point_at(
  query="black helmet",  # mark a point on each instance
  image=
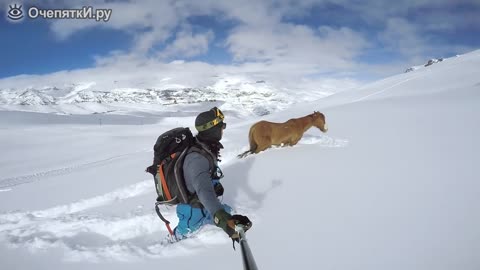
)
(210, 124)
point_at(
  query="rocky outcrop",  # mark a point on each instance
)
(433, 61)
(429, 63)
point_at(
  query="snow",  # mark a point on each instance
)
(392, 185)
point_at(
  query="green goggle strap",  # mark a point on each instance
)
(210, 124)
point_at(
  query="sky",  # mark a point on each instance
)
(363, 40)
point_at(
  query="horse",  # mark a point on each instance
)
(264, 134)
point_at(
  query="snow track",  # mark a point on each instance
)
(97, 237)
(90, 237)
(7, 183)
(134, 190)
(323, 140)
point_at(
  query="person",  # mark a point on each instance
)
(202, 177)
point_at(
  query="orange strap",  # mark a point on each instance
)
(164, 182)
(169, 229)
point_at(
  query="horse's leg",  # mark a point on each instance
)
(263, 144)
(290, 142)
(295, 141)
(261, 148)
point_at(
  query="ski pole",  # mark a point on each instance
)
(247, 256)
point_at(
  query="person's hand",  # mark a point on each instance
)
(242, 220)
(228, 222)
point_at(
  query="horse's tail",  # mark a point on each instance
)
(253, 144)
(244, 154)
(251, 140)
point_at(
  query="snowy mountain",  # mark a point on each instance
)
(256, 97)
(392, 185)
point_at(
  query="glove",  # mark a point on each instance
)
(227, 222)
(218, 189)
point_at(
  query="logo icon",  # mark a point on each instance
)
(15, 13)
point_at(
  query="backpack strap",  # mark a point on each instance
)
(202, 149)
(167, 223)
(180, 181)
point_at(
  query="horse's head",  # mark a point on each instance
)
(319, 121)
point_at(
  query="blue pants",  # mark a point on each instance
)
(191, 219)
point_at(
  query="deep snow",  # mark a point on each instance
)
(392, 185)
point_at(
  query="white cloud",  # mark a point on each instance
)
(260, 35)
(263, 41)
(297, 45)
(147, 20)
(187, 44)
(154, 21)
(403, 37)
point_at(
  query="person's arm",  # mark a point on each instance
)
(196, 171)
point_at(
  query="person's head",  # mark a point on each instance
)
(210, 125)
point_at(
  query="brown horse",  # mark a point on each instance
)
(264, 134)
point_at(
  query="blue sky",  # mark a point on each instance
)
(33, 49)
(362, 39)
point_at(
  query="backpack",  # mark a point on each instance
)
(170, 150)
(172, 141)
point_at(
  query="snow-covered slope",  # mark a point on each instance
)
(392, 185)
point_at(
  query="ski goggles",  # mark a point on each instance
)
(218, 119)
